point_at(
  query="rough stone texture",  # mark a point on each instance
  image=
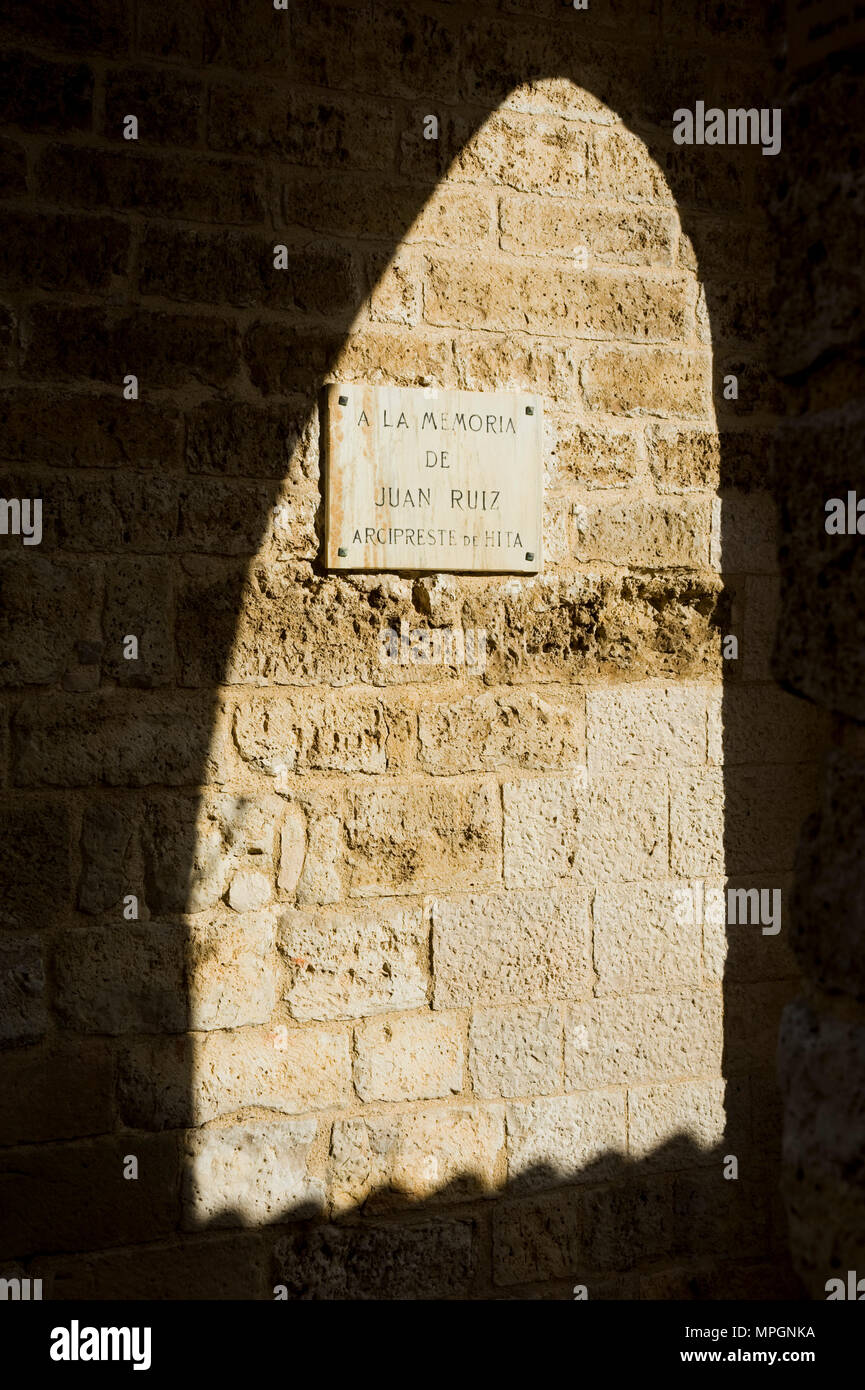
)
(447, 1154)
(562, 828)
(410, 945)
(350, 964)
(284, 1069)
(432, 1259)
(554, 1141)
(126, 978)
(514, 947)
(231, 971)
(515, 1052)
(23, 1015)
(407, 840)
(646, 936)
(665, 1121)
(641, 1038)
(817, 341)
(247, 1175)
(415, 1057)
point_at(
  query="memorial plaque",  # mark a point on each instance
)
(422, 479)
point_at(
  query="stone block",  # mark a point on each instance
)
(413, 1057)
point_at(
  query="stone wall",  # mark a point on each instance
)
(821, 635)
(411, 1005)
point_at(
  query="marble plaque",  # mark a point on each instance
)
(423, 479)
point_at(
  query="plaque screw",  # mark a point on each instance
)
(530, 410)
(530, 555)
(343, 400)
(342, 552)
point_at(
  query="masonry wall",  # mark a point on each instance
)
(412, 1006)
(820, 636)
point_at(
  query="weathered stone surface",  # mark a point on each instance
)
(106, 832)
(537, 1238)
(292, 851)
(120, 738)
(193, 846)
(231, 971)
(333, 733)
(566, 1138)
(361, 1157)
(23, 1012)
(612, 236)
(415, 1057)
(559, 828)
(760, 725)
(668, 1124)
(744, 534)
(320, 880)
(738, 950)
(647, 381)
(342, 964)
(646, 937)
(463, 293)
(403, 839)
(248, 890)
(533, 154)
(594, 457)
(744, 820)
(646, 726)
(518, 947)
(245, 1175)
(33, 833)
(126, 978)
(290, 1070)
(642, 1038)
(447, 1154)
(514, 730)
(434, 1259)
(47, 607)
(515, 1052)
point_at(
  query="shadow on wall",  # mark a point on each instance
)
(159, 542)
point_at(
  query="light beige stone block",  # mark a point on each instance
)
(408, 838)
(697, 803)
(519, 947)
(290, 1070)
(415, 1057)
(565, 1138)
(515, 729)
(645, 725)
(347, 964)
(559, 828)
(450, 1152)
(249, 1175)
(642, 1038)
(231, 966)
(646, 938)
(515, 1052)
(661, 1116)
